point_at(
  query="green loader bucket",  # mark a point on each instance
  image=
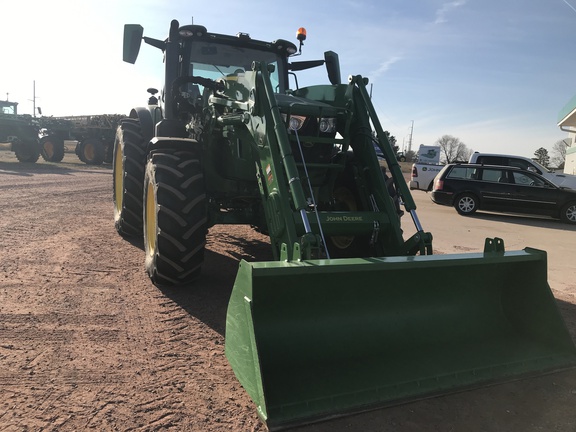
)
(318, 339)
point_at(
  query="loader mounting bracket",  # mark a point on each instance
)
(495, 245)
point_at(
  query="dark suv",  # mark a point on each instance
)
(471, 187)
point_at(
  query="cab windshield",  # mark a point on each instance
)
(214, 61)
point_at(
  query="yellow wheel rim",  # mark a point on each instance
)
(150, 219)
(49, 149)
(89, 151)
(118, 179)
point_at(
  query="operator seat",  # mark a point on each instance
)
(235, 87)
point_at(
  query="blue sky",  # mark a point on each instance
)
(494, 73)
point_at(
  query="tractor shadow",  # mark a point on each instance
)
(24, 169)
(30, 169)
(568, 313)
(207, 299)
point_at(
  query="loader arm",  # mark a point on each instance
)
(421, 242)
(299, 225)
(278, 176)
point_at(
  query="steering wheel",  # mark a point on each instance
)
(180, 81)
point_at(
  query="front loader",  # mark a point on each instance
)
(341, 320)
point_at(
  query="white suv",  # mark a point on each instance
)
(559, 179)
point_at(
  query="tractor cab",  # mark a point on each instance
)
(10, 108)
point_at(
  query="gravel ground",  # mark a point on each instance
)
(88, 343)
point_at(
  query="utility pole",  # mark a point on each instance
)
(410, 139)
(33, 98)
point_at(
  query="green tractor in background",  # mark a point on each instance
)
(20, 130)
(341, 320)
(94, 136)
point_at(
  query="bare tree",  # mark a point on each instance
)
(559, 152)
(452, 149)
(391, 140)
(410, 156)
(542, 157)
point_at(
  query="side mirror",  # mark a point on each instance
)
(132, 41)
(333, 67)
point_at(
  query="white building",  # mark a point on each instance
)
(567, 123)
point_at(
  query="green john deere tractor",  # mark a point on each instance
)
(20, 130)
(340, 321)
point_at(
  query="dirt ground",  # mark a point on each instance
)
(88, 343)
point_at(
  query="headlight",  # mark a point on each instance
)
(327, 125)
(296, 122)
(324, 125)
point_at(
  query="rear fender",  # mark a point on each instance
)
(160, 143)
(146, 121)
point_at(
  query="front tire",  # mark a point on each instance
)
(52, 149)
(91, 151)
(466, 204)
(175, 218)
(568, 213)
(128, 166)
(347, 198)
(26, 151)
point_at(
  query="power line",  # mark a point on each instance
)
(569, 5)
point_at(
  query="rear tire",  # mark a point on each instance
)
(175, 218)
(466, 204)
(108, 152)
(26, 151)
(128, 166)
(91, 151)
(568, 213)
(52, 149)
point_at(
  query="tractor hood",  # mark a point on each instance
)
(301, 106)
